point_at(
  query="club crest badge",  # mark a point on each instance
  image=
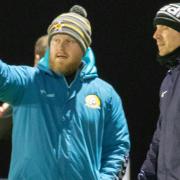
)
(92, 101)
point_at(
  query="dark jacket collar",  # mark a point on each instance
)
(170, 60)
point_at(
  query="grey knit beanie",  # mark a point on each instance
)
(169, 15)
(73, 23)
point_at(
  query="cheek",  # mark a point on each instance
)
(51, 54)
(73, 63)
(174, 43)
(177, 41)
(51, 51)
(51, 58)
(77, 60)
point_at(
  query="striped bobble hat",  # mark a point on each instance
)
(73, 23)
(169, 15)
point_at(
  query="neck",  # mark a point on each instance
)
(70, 78)
(170, 60)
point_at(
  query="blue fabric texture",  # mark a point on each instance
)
(60, 131)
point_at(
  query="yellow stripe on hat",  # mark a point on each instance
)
(54, 27)
(81, 26)
(74, 28)
(69, 19)
(74, 23)
(74, 15)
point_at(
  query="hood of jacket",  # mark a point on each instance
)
(88, 71)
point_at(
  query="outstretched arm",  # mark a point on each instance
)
(13, 81)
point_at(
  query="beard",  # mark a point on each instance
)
(64, 67)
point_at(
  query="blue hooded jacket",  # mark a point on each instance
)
(61, 131)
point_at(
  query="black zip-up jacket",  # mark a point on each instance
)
(163, 158)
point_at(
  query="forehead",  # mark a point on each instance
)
(164, 27)
(167, 30)
(161, 26)
(62, 36)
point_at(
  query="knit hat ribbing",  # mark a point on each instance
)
(169, 15)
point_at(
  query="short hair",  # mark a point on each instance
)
(41, 45)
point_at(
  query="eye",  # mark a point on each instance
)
(56, 40)
(68, 41)
(71, 40)
(165, 27)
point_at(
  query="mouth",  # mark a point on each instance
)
(61, 56)
(159, 43)
(160, 46)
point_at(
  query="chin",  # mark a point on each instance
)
(162, 53)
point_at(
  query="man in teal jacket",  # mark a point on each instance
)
(68, 124)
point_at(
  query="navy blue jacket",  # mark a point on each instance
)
(163, 158)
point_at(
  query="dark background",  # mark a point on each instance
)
(124, 48)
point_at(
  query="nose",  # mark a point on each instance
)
(60, 45)
(156, 34)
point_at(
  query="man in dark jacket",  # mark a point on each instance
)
(163, 158)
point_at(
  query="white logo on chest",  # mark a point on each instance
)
(44, 93)
(163, 93)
